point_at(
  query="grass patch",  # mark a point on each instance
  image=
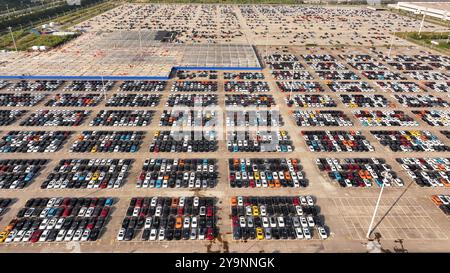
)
(425, 38)
(25, 40)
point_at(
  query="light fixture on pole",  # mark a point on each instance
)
(12, 35)
(375, 212)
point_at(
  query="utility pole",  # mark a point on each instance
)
(375, 212)
(421, 24)
(390, 46)
(12, 35)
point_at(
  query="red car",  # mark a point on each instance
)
(67, 211)
(235, 221)
(210, 234)
(105, 212)
(209, 211)
(36, 235)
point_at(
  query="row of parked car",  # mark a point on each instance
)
(414, 100)
(246, 100)
(359, 172)
(120, 118)
(363, 100)
(443, 202)
(350, 86)
(259, 141)
(134, 100)
(4, 204)
(19, 173)
(427, 172)
(310, 101)
(246, 86)
(8, 117)
(192, 100)
(56, 118)
(400, 87)
(178, 173)
(337, 75)
(385, 118)
(107, 142)
(35, 86)
(434, 117)
(427, 75)
(88, 174)
(243, 76)
(266, 173)
(321, 118)
(58, 219)
(188, 118)
(336, 141)
(438, 86)
(74, 100)
(410, 141)
(89, 86)
(184, 141)
(203, 74)
(33, 141)
(281, 75)
(143, 86)
(254, 118)
(194, 86)
(20, 100)
(165, 218)
(307, 86)
(276, 217)
(327, 66)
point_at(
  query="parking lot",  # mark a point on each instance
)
(136, 140)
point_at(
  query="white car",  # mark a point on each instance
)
(161, 234)
(44, 235)
(78, 234)
(299, 233)
(148, 222)
(153, 234)
(322, 232)
(280, 220)
(121, 234)
(86, 234)
(307, 233)
(61, 235)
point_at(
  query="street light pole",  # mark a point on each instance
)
(12, 35)
(421, 24)
(375, 212)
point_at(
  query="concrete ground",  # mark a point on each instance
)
(407, 219)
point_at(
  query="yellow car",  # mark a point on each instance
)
(255, 211)
(259, 234)
(3, 236)
(256, 174)
(94, 149)
(95, 176)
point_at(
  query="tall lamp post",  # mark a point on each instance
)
(12, 35)
(375, 212)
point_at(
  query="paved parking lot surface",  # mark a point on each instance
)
(407, 219)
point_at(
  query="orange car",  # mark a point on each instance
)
(233, 201)
(277, 183)
(362, 174)
(436, 200)
(178, 222)
(174, 202)
(287, 175)
(444, 182)
(11, 225)
(271, 184)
